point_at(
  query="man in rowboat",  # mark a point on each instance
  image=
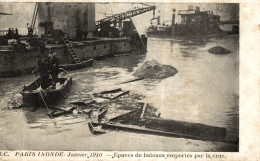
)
(42, 69)
(53, 65)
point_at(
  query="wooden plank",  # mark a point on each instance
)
(82, 103)
(102, 114)
(131, 80)
(124, 93)
(60, 111)
(94, 130)
(123, 115)
(143, 111)
(112, 97)
(200, 130)
(89, 111)
(111, 91)
(138, 129)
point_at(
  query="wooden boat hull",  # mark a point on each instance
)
(32, 97)
(24, 71)
(82, 64)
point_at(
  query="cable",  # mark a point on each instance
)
(232, 17)
(111, 8)
(104, 13)
(202, 7)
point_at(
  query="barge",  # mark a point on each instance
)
(191, 22)
(71, 31)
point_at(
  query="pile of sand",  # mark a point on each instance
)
(154, 70)
(219, 50)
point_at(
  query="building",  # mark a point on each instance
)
(72, 18)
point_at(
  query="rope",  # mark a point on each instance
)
(232, 16)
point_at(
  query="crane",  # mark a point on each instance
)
(117, 18)
(32, 25)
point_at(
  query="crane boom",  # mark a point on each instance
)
(34, 15)
(32, 26)
(122, 16)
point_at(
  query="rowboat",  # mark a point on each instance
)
(34, 95)
(23, 71)
(83, 64)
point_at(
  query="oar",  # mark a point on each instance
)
(41, 90)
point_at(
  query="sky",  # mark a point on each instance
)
(23, 12)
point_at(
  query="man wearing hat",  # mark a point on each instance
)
(54, 65)
(42, 69)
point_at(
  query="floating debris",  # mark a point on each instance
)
(95, 130)
(60, 111)
(154, 70)
(16, 102)
(219, 50)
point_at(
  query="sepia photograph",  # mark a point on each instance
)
(119, 76)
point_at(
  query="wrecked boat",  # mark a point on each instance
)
(34, 95)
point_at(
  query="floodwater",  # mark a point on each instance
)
(205, 90)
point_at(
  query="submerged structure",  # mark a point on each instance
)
(70, 30)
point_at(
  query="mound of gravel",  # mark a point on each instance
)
(154, 70)
(219, 50)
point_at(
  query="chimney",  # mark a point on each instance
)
(173, 16)
(197, 9)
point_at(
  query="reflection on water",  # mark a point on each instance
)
(205, 90)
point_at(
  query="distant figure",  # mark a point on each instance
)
(16, 32)
(42, 69)
(53, 65)
(10, 33)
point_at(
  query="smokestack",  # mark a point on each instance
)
(173, 16)
(49, 12)
(197, 9)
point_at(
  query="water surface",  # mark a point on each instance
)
(205, 90)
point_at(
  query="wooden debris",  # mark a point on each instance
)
(111, 91)
(101, 108)
(133, 128)
(126, 116)
(102, 114)
(81, 103)
(143, 111)
(95, 130)
(119, 95)
(131, 80)
(60, 111)
(78, 103)
(88, 112)
(202, 131)
(112, 94)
